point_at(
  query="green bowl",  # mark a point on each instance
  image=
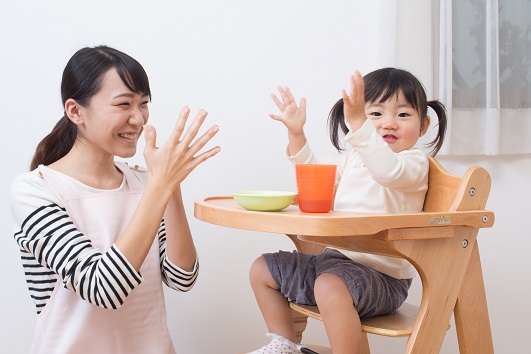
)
(263, 200)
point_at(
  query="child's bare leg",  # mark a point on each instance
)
(273, 305)
(340, 317)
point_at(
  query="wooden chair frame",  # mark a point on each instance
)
(440, 242)
(444, 250)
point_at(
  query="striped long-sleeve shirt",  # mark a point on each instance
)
(52, 249)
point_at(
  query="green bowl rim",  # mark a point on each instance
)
(255, 193)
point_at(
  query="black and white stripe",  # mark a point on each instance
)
(53, 249)
(173, 276)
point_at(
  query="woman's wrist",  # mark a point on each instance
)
(160, 189)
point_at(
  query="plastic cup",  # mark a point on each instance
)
(315, 187)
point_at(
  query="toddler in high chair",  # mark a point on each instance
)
(381, 118)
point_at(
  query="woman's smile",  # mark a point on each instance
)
(133, 137)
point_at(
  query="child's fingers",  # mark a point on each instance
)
(289, 94)
(279, 104)
(275, 117)
(358, 82)
(353, 84)
(287, 97)
(303, 104)
(356, 87)
(344, 95)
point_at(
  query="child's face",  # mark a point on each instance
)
(397, 122)
(114, 119)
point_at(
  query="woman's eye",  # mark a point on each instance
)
(124, 104)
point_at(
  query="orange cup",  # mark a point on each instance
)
(315, 187)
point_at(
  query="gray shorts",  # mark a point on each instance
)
(373, 293)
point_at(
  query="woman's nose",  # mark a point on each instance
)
(137, 118)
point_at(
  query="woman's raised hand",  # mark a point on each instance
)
(292, 116)
(171, 163)
(354, 104)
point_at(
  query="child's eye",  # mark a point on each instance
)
(375, 114)
(403, 115)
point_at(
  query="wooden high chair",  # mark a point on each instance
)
(441, 243)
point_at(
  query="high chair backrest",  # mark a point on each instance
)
(447, 192)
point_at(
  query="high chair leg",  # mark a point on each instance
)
(471, 314)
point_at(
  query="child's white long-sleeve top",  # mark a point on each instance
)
(372, 178)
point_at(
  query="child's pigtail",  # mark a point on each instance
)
(440, 110)
(336, 121)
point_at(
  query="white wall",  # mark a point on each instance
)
(227, 57)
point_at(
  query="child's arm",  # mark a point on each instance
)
(293, 117)
(354, 104)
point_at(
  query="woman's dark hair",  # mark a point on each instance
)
(380, 85)
(82, 79)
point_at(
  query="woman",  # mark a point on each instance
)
(97, 237)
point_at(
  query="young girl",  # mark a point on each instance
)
(97, 237)
(382, 118)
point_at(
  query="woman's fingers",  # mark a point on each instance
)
(189, 161)
(192, 130)
(199, 159)
(175, 136)
(202, 140)
(150, 136)
(188, 145)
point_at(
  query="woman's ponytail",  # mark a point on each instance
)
(56, 144)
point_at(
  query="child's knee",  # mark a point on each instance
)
(330, 287)
(259, 271)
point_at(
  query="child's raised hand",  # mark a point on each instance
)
(293, 117)
(354, 104)
(174, 160)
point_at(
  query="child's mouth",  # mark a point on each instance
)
(388, 138)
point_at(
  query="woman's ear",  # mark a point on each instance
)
(424, 125)
(73, 111)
